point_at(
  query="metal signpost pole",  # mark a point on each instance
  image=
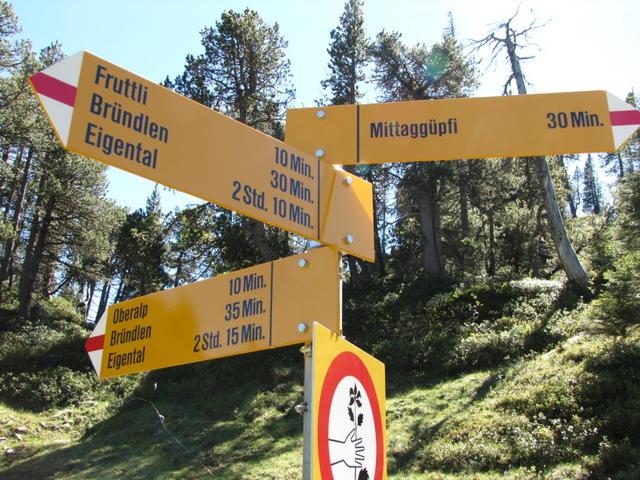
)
(307, 412)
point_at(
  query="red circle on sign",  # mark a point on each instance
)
(346, 364)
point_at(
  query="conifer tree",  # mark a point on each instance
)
(193, 252)
(348, 56)
(142, 251)
(421, 73)
(591, 190)
(577, 185)
(12, 50)
(245, 74)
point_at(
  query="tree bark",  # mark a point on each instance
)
(5, 160)
(567, 255)
(463, 192)
(430, 228)
(13, 184)
(89, 299)
(259, 237)
(567, 185)
(33, 260)
(176, 278)
(120, 290)
(48, 274)
(491, 270)
(11, 242)
(620, 166)
(379, 251)
(104, 299)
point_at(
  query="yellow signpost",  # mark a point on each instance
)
(116, 117)
(258, 308)
(415, 131)
(347, 399)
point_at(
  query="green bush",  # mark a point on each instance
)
(618, 307)
(470, 327)
(619, 461)
(39, 390)
(59, 309)
(484, 440)
(488, 345)
(610, 389)
(36, 346)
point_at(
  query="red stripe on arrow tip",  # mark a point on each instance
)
(53, 88)
(625, 117)
(94, 343)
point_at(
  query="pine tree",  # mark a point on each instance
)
(141, 251)
(12, 51)
(193, 251)
(617, 310)
(348, 56)
(245, 74)
(420, 73)
(591, 190)
(68, 237)
(577, 185)
(53, 235)
(629, 155)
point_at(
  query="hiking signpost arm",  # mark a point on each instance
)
(249, 310)
(111, 115)
(458, 128)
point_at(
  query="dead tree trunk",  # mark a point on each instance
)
(566, 254)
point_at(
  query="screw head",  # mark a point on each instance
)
(348, 181)
(321, 113)
(303, 263)
(302, 327)
(319, 153)
(348, 239)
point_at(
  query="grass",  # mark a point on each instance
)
(564, 403)
(244, 444)
(135, 443)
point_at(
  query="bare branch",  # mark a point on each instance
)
(505, 89)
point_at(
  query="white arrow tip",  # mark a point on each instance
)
(616, 104)
(67, 70)
(628, 116)
(95, 343)
(56, 87)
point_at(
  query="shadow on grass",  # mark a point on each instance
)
(200, 423)
(423, 432)
(136, 444)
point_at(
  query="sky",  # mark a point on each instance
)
(583, 45)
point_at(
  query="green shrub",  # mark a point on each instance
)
(484, 440)
(566, 323)
(36, 346)
(471, 327)
(610, 389)
(45, 389)
(59, 309)
(619, 461)
(618, 308)
(487, 345)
